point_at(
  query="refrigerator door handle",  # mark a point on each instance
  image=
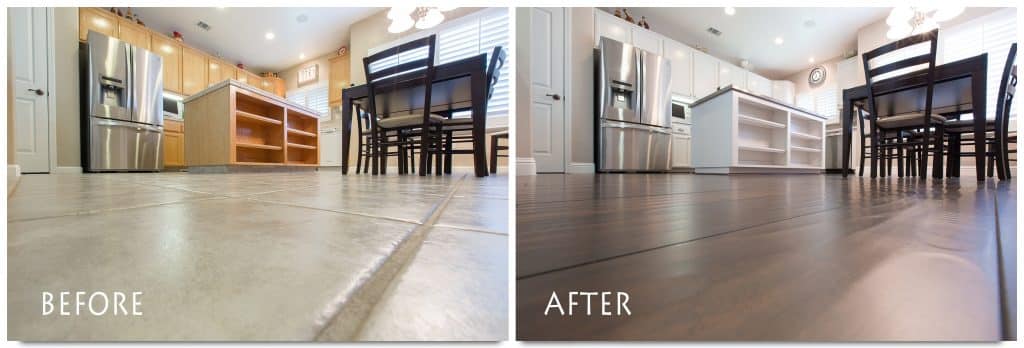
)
(130, 78)
(639, 86)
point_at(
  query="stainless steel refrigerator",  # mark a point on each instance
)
(122, 106)
(633, 109)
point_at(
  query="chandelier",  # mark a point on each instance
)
(905, 21)
(405, 17)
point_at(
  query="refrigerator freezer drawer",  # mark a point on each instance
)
(124, 146)
(632, 148)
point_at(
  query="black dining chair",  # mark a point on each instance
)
(889, 119)
(905, 159)
(409, 126)
(459, 130)
(997, 138)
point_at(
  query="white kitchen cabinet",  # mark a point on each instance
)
(681, 144)
(729, 74)
(647, 40)
(607, 25)
(705, 74)
(784, 90)
(330, 143)
(681, 57)
(758, 84)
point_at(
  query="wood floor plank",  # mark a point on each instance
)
(811, 258)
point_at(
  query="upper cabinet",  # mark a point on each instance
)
(194, 71)
(134, 34)
(647, 41)
(609, 26)
(170, 50)
(784, 90)
(219, 71)
(758, 84)
(729, 74)
(100, 21)
(681, 58)
(339, 78)
(705, 74)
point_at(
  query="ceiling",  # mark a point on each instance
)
(823, 33)
(237, 33)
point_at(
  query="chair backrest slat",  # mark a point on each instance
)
(494, 69)
(1007, 87)
(900, 48)
(403, 75)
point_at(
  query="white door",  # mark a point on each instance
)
(547, 108)
(28, 38)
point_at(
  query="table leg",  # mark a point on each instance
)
(346, 128)
(978, 97)
(847, 121)
(478, 85)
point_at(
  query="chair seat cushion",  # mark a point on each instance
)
(907, 120)
(960, 126)
(406, 120)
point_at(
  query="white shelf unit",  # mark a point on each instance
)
(735, 132)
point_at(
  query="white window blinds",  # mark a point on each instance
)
(992, 34)
(462, 38)
(314, 98)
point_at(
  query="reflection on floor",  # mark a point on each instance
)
(767, 257)
(286, 256)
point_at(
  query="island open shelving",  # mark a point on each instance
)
(235, 125)
(738, 132)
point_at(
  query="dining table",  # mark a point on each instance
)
(959, 88)
(458, 85)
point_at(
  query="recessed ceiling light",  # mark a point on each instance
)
(730, 11)
(810, 23)
(810, 60)
(778, 40)
(302, 56)
(302, 18)
(269, 36)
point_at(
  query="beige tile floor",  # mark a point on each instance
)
(262, 256)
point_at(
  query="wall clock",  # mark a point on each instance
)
(817, 76)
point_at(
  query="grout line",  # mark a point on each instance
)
(119, 209)
(351, 309)
(293, 205)
(472, 229)
(1004, 315)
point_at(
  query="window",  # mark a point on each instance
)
(314, 98)
(462, 38)
(992, 33)
(826, 101)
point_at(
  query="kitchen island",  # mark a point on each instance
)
(233, 126)
(736, 131)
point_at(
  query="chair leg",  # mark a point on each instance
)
(899, 156)
(874, 153)
(494, 154)
(863, 154)
(937, 166)
(442, 166)
(448, 152)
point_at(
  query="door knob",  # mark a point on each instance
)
(554, 96)
(37, 91)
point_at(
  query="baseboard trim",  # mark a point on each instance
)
(67, 170)
(526, 166)
(580, 168)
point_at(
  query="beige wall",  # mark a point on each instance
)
(581, 84)
(10, 106)
(67, 94)
(291, 76)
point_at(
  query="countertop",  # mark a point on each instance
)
(249, 88)
(728, 88)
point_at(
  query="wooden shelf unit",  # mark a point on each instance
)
(238, 126)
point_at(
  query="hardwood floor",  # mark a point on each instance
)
(768, 257)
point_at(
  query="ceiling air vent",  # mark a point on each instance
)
(714, 31)
(203, 25)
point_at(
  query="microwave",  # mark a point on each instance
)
(681, 107)
(174, 106)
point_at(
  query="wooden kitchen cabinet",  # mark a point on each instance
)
(338, 78)
(174, 143)
(274, 85)
(194, 71)
(170, 50)
(132, 33)
(219, 71)
(98, 20)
